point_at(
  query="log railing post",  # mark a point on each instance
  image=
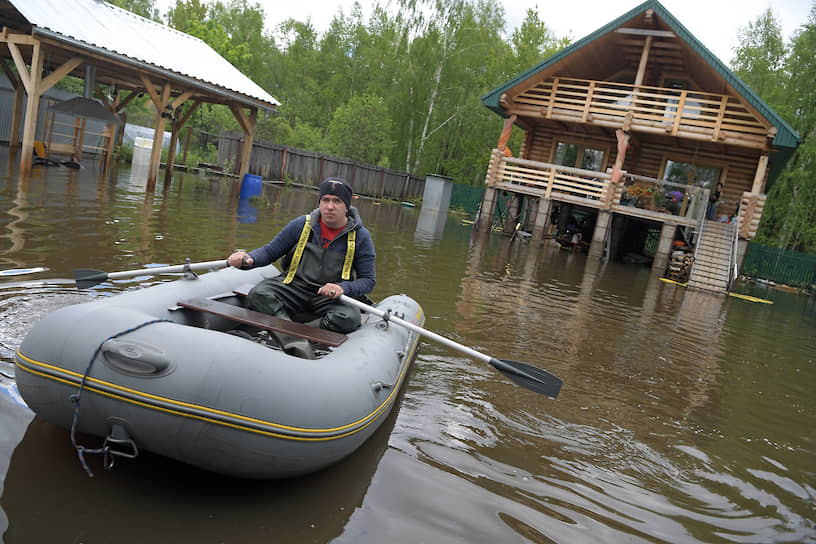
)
(553, 92)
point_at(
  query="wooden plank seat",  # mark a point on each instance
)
(264, 321)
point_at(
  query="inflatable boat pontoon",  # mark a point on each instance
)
(161, 369)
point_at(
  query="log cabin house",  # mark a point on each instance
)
(626, 134)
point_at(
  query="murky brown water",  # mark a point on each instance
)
(684, 417)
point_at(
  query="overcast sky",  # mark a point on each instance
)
(713, 22)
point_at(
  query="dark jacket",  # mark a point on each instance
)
(364, 272)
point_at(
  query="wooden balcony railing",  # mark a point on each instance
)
(635, 195)
(677, 112)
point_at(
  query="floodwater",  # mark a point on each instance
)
(684, 416)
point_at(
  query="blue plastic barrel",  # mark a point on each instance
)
(251, 185)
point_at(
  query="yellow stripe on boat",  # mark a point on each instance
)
(356, 426)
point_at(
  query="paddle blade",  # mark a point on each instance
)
(531, 377)
(88, 277)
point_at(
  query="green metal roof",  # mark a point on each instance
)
(786, 137)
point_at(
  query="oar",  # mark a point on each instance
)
(88, 277)
(531, 377)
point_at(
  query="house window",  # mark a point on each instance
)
(687, 173)
(579, 156)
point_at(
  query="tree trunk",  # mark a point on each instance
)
(432, 101)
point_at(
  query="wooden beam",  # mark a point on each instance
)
(32, 107)
(678, 114)
(241, 117)
(720, 116)
(22, 70)
(588, 103)
(250, 138)
(759, 177)
(177, 125)
(13, 37)
(181, 99)
(188, 113)
(119, 106)
(644, 59)
(59, 73)
(158, 135)
(646, 32)
(107, 103)
(152, 91)
(553, 91)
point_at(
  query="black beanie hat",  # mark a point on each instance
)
(337, 187)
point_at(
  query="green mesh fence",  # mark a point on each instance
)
(466, 197)
(779, 265)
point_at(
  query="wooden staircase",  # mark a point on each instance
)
(711, 270)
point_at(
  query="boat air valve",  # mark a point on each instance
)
(118, 443)
(188, 273)
(378, 386)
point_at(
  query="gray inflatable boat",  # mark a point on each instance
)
(153, 374)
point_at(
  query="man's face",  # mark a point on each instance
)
(333, 211)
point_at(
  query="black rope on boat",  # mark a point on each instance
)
(80, 449)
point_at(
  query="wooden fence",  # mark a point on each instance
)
(279, 162)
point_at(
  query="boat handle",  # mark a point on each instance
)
(135, 358)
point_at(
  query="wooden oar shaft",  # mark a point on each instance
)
(209, 265)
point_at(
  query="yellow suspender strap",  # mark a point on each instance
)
(304, 237)
(352, 238)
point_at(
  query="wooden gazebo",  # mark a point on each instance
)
(47, 40)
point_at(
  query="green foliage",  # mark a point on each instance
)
(360, 130)
(789, 216)
(145, 8)
(196, 155)
(125, 153)
(533, 41)
(760, 57)
(397, 90)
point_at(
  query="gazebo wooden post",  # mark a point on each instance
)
(177, 126)
(161, 104)
(248, 126)
(31, 81)
(110, 129)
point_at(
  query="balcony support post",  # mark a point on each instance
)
(542, 218)
(485, 219)
(602, 226)
(664, 246)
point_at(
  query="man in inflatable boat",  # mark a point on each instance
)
(325, 254)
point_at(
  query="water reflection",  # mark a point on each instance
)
(204, 507)
(430, 226)
(684, 417)
(247, 213)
